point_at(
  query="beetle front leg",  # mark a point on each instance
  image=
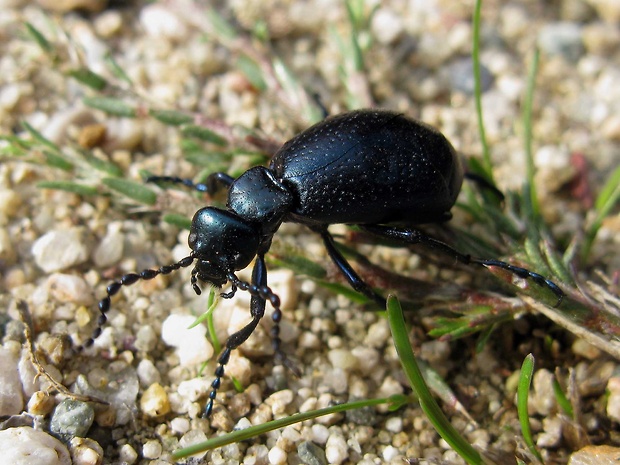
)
(414, 236)
(347, 270)
(257, 306)
(260, 294)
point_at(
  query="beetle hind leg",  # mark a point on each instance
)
(347, 270)
(413, 236)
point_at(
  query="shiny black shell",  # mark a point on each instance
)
(369, 166)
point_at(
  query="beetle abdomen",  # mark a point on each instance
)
(369, 166)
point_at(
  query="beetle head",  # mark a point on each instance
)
(221, 242)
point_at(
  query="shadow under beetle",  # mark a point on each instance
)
(376, 169)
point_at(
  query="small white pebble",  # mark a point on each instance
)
(279, 401)
(585, 350)
(7, 250)
(243, 423)
(11, 399)
(70, 288)
(394, 424)
(542, 398)
(378, 334)
(390, 387)
(151, 449)
(367, 358)
(343, 359)
(386, 25)
(194, 388)
(240, 368)
(108, 23)
(26, 446)
(194, 437)
(180, 425)
(552, 432)
(85, 451)
(390, 453)
(320, 434)
(128, 454)
(191, 344)
(277, 456)
(110, 249)
(158, 21)
(613, 400)
(336, 449)
(58, 250)
(148, 373)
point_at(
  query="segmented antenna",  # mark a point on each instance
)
(128, 280)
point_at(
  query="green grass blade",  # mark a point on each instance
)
(37, 136)
(88, 78)
(204, 134)
(525, 380)
(211, 304)
(68, 186)
(116, 69)
(561, 398)
(609, 193)
(252, 71)
(301, 266)
(604, 203)
(556, 263)
(39, 38)
(427, 402)
(111, 106)
(253, 431)
(175, 219)
(527, 137)
(222, 29)
(102, 165)
(57, 160)
(487, 165)
(136, 191)
(355, 13)
(171, 117)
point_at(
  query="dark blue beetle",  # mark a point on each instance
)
(376, 169)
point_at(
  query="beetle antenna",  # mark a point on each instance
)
(128, 280)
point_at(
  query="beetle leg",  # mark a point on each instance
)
(484, 183)
(260, 294)
(347, 270)
(234, 341)
(257, 310)
(414, 236)
(211, 185)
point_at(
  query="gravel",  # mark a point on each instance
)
(59, 250)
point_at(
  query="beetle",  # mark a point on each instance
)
(375, 169)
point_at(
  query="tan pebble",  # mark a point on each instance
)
(62, 6)
(41, 403)
(154, 402)
(92, 136)
(595, 455)
(106, 418)
(85, 451)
